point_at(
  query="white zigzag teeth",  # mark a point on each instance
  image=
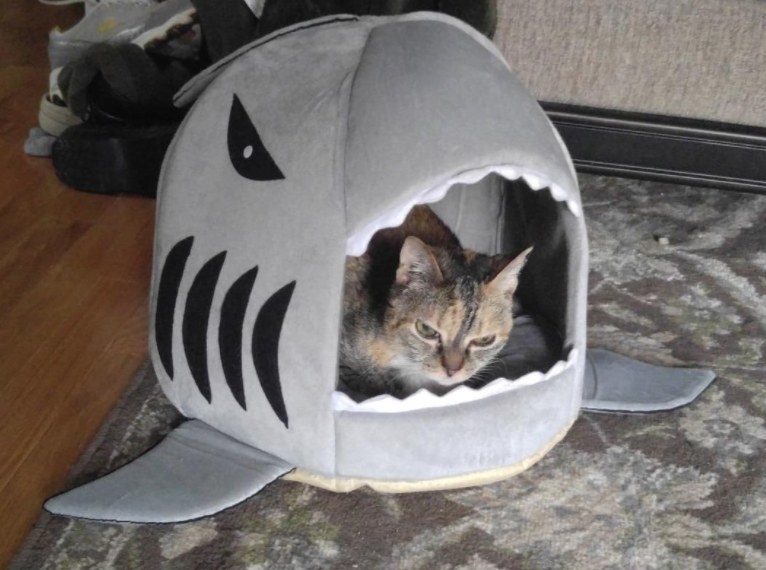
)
(535, 182)
(574, 207)
(423, 399)
(509, 172)
(357, 243)
(558, 193)
(434, 195)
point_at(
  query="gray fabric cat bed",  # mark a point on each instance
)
(298, 148)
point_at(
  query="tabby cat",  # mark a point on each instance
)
(422, 312)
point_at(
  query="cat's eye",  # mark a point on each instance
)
(484, 341)
(426, 331)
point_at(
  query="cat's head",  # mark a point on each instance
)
(449, 313)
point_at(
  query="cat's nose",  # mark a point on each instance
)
(452, 361)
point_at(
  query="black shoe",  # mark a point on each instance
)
(112, 159)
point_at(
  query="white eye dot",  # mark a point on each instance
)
(248, 152)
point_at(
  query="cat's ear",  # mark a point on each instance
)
(507, 280)
(417, 262)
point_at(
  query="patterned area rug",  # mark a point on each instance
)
(678, 277)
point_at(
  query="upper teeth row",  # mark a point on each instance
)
(357, 243)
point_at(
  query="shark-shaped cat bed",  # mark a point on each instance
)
(298, 148)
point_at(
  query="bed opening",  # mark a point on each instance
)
(495, 214)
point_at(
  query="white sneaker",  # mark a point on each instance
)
(116, 22)
(54, 117)
(153, 23)
(89, 4)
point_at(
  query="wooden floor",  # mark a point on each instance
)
(74, 276)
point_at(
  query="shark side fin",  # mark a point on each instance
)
(194, 472)
(616, 383)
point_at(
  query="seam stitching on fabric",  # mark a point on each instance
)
(341, 150)
(258, 43)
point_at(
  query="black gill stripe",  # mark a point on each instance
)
(230, 333)
(195, 323)
(167, 294)
(268, 329)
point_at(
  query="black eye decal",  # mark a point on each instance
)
(248, 155)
